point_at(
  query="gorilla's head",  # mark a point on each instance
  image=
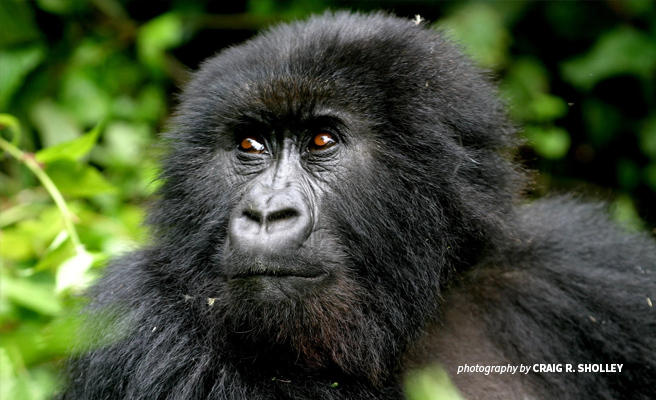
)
(323, 180)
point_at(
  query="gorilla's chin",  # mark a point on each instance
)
(289, 310)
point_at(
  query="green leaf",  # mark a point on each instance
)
(29, 238)
(17, 22)
(7, 375)
(53, 123)
(621, 51)
(59, 250)
(83, 97)
(151, 103)
(71, 150)
(157, 36)
(529, 75)
(625, 213)
(77, 179)
(19, 212)
(60, 7)
(526, 86)
(74, 274)
(431, 384)
(124, 144)
(8, 121)
(547, 108)
(36, 296)
(16, 245)
(551, 143)
(16, 64)
(481, 29)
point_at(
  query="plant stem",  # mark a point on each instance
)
(35, 167)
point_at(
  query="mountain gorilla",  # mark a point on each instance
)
(340, 207)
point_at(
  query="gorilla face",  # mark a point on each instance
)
(279, 242)
(308, 190)
(288, 279)
(322, 183)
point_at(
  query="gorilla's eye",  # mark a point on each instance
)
(322, 141)
(252, 145)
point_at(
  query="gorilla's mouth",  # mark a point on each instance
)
(286, 281)
(239, 266)
(273, 277)
(282, 274)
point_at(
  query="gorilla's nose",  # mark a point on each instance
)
(270, 221)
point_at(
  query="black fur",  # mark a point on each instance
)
(432, 257)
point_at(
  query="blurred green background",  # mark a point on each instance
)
(85, 86)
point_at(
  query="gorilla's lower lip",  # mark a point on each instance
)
(273, 269)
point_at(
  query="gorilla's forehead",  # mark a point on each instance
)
(328, 62)
(295, 95)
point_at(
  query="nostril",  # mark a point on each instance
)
(253, 215)
(287, 213)
(270, 223)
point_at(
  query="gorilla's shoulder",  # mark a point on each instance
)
(569, 254)
(578, 232)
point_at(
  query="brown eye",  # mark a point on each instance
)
(322, 141)
(252, 145)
